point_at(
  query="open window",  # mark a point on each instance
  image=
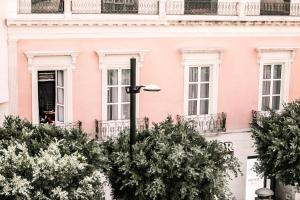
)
(51, 93)
(52, 85)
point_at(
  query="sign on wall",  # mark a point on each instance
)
(253, 180)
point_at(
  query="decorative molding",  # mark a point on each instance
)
(194, 55)
(291, 50)
(31, 55)
(105, 53)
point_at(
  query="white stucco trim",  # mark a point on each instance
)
(13, 77)
(52, 60)
(283, 55)
(117, 59)
(207, 56)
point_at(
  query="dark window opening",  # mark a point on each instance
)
(200, 7)
(275, 7)
(46, 96)
(119, 6)
(47, 6)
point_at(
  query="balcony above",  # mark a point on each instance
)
(161, 8)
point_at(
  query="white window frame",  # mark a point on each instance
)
(52, 61)
(117, 59)
(198, 57)
(271, 56)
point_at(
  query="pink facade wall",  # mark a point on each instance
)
(238, 75)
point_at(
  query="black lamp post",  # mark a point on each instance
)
(133, 89)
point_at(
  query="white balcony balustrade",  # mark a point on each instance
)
(110, 129)
(212, 123)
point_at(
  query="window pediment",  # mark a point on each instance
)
(119, 57)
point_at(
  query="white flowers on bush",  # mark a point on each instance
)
(47, 166)
(51, 164)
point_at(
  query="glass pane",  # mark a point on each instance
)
(60, 78)
(112, 112)
(267, 72)
(60, 96)
(275, 102)
(204, 73)
(277, 72)
(204, 90)
(125, 76)
(265, 103)
(112, 95)
(112, 77)
(266, 87)
(125, 96)
(60, 113)
(204, 107)
(193, 91)
(125, 111)
(193, 75)
(192, 108)
(276, 87)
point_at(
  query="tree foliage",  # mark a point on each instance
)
(170, 162)
(277, 140)
(48, 163)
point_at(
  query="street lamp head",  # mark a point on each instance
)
(152, 88)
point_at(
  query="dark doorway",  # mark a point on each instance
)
(46, 96)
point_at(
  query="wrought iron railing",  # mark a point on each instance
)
(275, 8)
(196, 7)
(212, 123)
(110, 129)
(76, 125)
(47, 6)
(120, 6)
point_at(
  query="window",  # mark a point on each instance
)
(51, 95)
(118, 101)
(198, 95)
(201, 68)
(115, 70)
(271, 86)
(275, 64)
(52, 85)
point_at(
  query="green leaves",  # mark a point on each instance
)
(277, 140)
(170, 161)
(48, 163)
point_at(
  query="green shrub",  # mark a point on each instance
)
(170, 161)
(277, 140)
(48, 163)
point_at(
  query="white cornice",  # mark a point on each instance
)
(196, 50)
(32, 54)
(273, 49)
(103, 53)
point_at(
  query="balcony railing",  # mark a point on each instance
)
(213, 123)
(75, 125)
(111, 129)
(275, 8)
(158, 7)
(119, 6)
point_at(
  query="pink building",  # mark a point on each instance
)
(215, 61)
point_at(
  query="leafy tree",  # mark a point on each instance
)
(48, 163)
(170, 162)
(277, 140)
